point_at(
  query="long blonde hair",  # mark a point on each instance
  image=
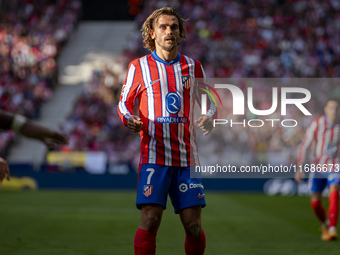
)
(149, 23)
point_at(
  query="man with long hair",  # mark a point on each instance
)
(163, 83)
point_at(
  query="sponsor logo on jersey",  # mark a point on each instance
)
(183, 187)
(171, 119)
(173, 102)
(147, 190)
(195, 186)
(186, 81)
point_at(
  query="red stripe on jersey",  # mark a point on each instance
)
(155, 77)
(173, 126)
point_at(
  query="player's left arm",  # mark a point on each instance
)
(205, 122)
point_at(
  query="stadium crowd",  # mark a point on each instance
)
(264, 39)
(31, 36)
(249, 39)
(94, 125)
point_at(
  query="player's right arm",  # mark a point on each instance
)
(306, 142)
(128, 96)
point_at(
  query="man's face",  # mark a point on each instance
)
(332, 111)
(166, 33)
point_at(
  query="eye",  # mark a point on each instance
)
(162, 27)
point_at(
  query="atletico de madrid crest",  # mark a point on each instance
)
(186, 81)
(147, 190)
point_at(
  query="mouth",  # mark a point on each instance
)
(170, 39)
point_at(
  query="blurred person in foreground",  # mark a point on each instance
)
(19, 124)
(322, 136)
(163, 83)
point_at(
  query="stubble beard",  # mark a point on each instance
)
(164, 46)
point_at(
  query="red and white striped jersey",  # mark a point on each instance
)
(324, 139)
(165, 96)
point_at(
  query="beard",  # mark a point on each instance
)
(166, 45)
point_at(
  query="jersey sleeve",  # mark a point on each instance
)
(129, 93)
(211, 111)
(307, 141)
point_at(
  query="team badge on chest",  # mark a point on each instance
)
(186, 81)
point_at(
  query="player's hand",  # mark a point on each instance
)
(134, 124)
(55, 138)
(205, 123)
(299, 176)
(4, 170)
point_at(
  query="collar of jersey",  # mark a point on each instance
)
(329, 124)
(154, 55)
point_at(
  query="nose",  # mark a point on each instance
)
(168, 30)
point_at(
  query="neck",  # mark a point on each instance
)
(331, 121)
(167, 56)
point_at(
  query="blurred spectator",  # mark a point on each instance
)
(31, 34)
(266, 38)
(94, 125)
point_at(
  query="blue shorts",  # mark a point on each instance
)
(155, 182)
(317, 184)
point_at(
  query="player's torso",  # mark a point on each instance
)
(327, 138)
(165, 91)
(165, 104)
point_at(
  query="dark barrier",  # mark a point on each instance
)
(118, 177)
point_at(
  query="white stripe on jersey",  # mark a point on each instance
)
(191, 64)
(129, 81)
(151, 109)
(166, 126)
(180, 132)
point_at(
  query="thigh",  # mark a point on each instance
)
(333, 182)
(153, 185)
(317, 185)
(185, 191)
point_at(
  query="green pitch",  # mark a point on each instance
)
(103, 223)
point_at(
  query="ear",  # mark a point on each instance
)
(152, 34)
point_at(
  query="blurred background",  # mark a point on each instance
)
(63, 63)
